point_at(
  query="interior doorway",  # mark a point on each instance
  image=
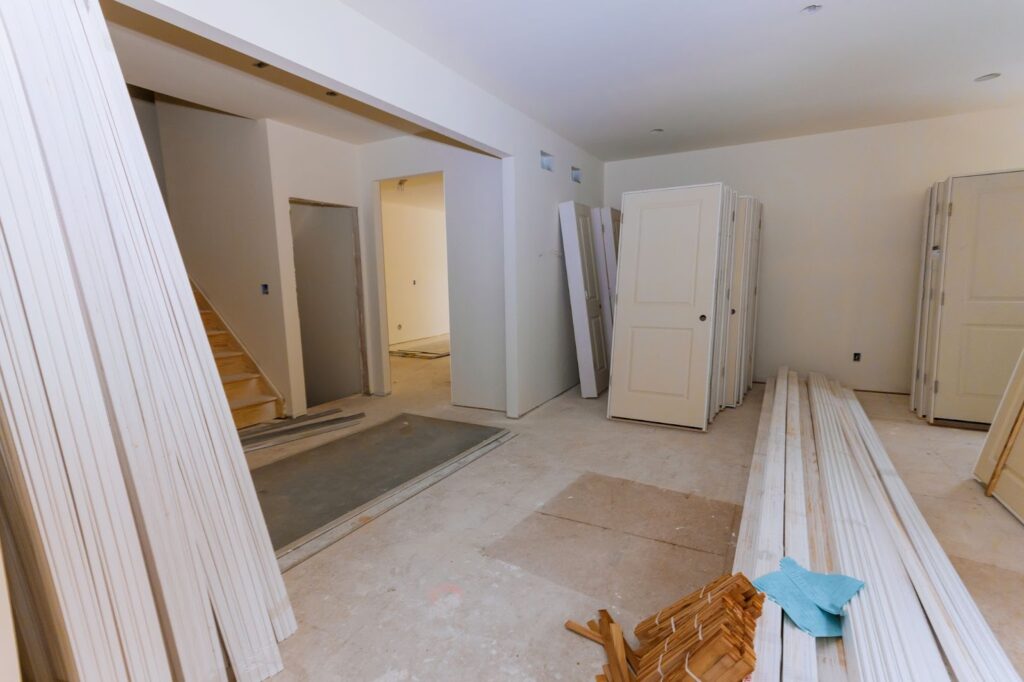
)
(328, 281)
(416, 273)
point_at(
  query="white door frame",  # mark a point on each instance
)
(380, 366)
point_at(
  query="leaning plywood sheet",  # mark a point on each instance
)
(581, 269)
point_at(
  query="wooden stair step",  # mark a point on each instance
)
(216, 332)
(250, 401)
(240, 376)
(222, 354)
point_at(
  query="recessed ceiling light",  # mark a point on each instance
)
(811, 9)
(655, 131)
(261, 65)
(331, 93)
(987, 77)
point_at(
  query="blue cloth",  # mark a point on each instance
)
(813, 601)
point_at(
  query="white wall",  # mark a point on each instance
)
(842, 231)
(415, 263)
(145, 112)
(335, 46)
(304, 165)
(473, 217)
(217, 171)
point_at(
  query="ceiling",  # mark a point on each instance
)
(720, 72)
(183, 74)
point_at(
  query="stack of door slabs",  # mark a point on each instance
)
(970, 320)
(686, 303)
(590, 239)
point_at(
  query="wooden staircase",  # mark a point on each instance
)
(251, 397)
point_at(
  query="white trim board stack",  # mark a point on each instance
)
(682, 342)
(132, 535)
(847, 510)
(970, 316)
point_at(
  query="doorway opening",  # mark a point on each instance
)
(328, 282)
(415, 242)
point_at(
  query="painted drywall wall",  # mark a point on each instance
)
(217, 169)
(145, 112)
(310, 166)
(842, 231)
(415, 258)
(333, 45)
(474, 232)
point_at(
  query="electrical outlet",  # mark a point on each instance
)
(856, 357)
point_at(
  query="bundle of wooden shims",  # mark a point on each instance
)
(706, 635)
(132, 535)
(823, 490)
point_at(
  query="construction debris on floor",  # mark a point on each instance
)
(281, 431)
(823, 490)
(706, 635)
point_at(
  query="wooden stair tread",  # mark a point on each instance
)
(216, 332)
(250, 401)
(227, 353)
(241, 376)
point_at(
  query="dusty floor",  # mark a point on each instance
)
(473, 578)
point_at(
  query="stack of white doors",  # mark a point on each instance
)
(590, 242)
(970, 321)
(685, 304)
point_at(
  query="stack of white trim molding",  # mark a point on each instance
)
(132, 534)
(823, 490)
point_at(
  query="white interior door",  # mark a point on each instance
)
(723, 296)
(981, 330)
(662, 342)
(328, 288)
(920, 330)
(752, 295)
(1010, 487)
(611, 219)
(738, 304)
(935, 274)
(584, 297)
(601, 261)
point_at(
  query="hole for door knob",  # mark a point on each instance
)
(703, 318)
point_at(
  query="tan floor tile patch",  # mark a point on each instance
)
(650, 512)
(634, 546)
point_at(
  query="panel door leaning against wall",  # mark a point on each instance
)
(981, 323)
(581, 268)
(722, 303)
(750, 330)
(605, 278)
(1000, 466)
(665, 315)
(742, 290)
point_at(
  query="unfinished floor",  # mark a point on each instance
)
(473, 578)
